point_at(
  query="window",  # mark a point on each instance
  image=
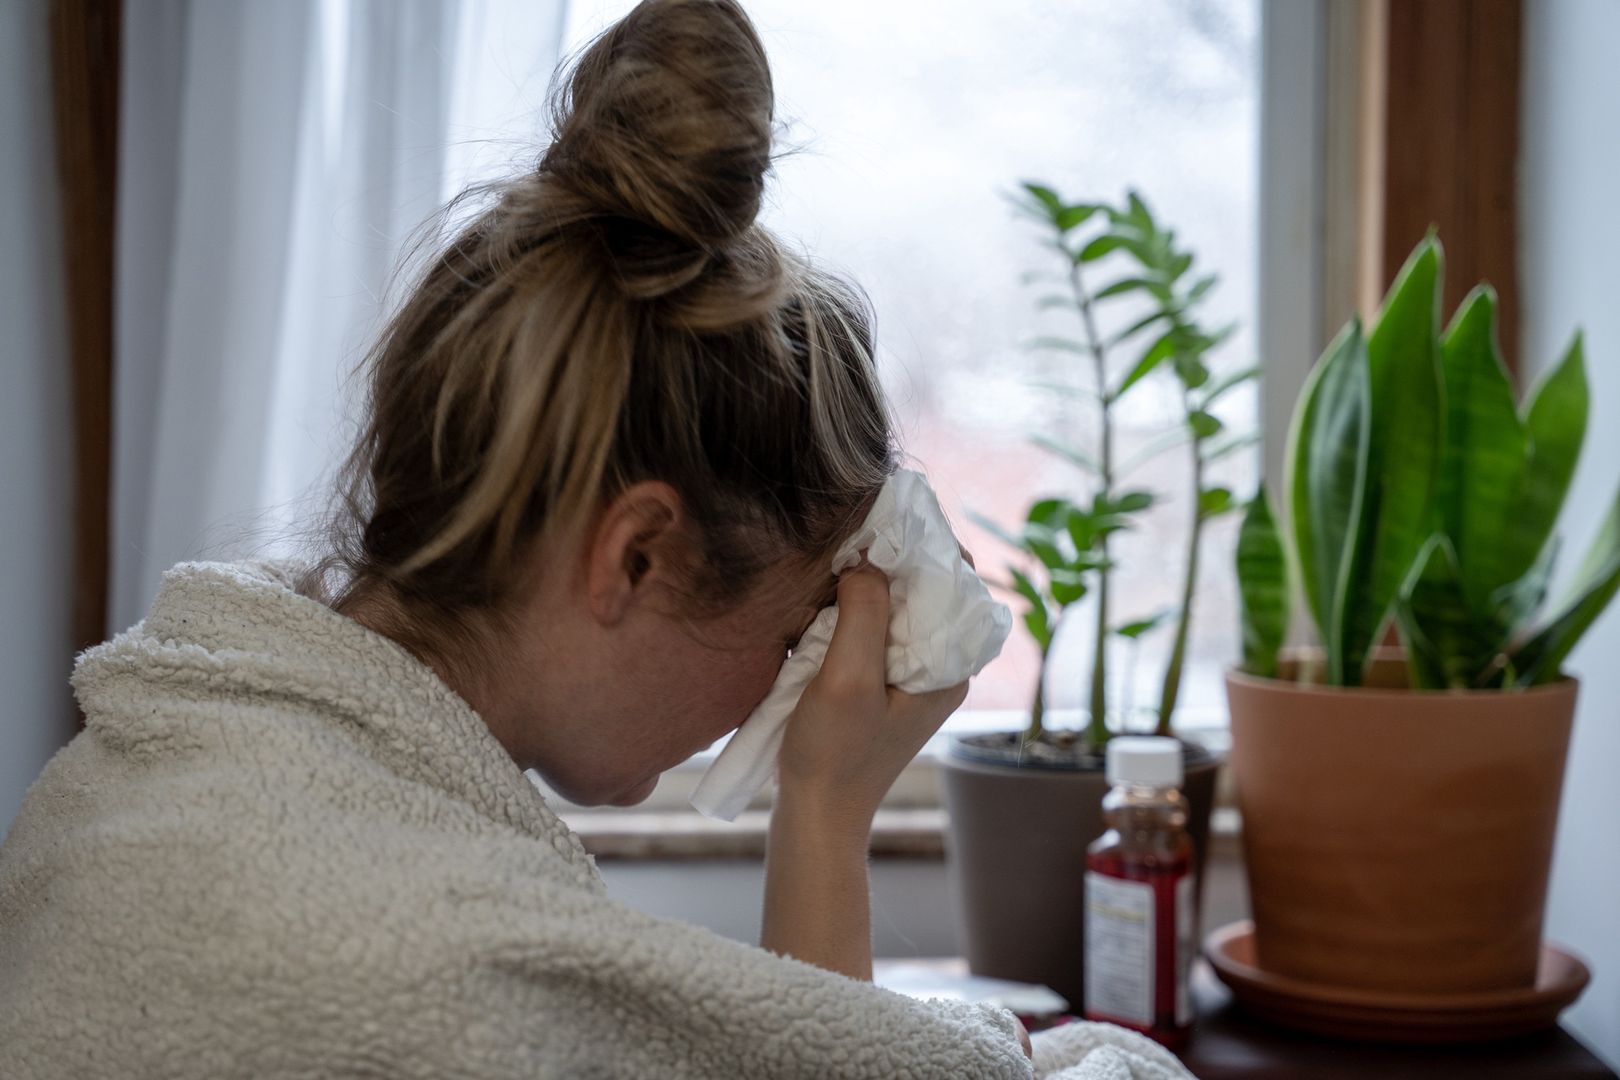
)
(907, 124)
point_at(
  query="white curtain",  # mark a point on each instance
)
(277, 158)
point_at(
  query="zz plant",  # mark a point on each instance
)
(1420, 491)
(1073, 544)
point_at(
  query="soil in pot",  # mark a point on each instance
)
(1020, 821)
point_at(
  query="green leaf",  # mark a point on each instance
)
(1155, 355)
(1067, 453)
(1515, 603)
(1134, 630)
(1403, 364)
(1200, 288)
(1137, 327)
(1190, 370)
(1447, 645)
(1055, 300)
(1105, 517)
(1048, 512)
(1068, 585)
(1326, 485)
(1227, 382)
(1139, 211)
(1122, 218)
(1025, 587)
(1046, 198)
(1101, 246)
(1203, 424)
(1039, 627)
(1043, 530)
(1129, 284)
(1541, 658)
(1036, 618)
(1482, 459)
(1262, 587)
(1555, 418)
(1230, 445)
(1082, 529)
(1041, 541)
(1130, 502)
(1070, 217)
(1214, 501)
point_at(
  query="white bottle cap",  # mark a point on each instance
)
(1149, 760)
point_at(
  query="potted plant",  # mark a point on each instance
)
(1025, 804)
(1399, 805)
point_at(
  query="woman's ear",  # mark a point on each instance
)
(629, 547)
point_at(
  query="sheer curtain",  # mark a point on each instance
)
(277, 159)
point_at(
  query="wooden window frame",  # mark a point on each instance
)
(85, 38)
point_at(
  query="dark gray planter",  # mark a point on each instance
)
(1016, 858)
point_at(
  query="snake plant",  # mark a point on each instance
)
(1420, 491)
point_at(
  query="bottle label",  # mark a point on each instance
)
(1120, 923)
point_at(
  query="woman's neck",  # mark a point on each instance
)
(470, 667)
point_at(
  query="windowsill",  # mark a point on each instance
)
(911, 823)
(896, 834)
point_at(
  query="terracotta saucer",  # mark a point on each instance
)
(1374, 1016)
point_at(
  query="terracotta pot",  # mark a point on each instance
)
(1398, 840)
(1016, 858)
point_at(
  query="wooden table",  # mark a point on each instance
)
(1227, 1043)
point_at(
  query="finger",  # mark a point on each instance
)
(862, 632)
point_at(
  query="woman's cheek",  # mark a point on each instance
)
(741, 683)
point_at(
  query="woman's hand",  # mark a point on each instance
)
(845, 743)
(852, 734)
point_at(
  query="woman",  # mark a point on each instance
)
(614, 435)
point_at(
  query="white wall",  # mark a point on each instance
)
(1569, 228)
(35, 420)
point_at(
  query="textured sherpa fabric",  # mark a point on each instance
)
(283, 847)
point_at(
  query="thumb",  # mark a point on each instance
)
(859, 639)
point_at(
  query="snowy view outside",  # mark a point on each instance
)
(912, 122)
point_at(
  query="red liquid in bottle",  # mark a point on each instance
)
(1139, 905)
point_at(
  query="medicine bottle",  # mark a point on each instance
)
(1140, 895)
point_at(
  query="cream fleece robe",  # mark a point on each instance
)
(283, 847)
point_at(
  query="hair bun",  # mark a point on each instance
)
(665, 120)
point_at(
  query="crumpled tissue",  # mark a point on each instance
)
(943, 628)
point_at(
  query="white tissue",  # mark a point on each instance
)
(943, 628)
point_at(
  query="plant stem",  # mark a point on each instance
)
(1037, 710)
(1178, 651)
(1128, 695)
(1097, 728)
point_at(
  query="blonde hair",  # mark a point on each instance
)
(617, 315)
